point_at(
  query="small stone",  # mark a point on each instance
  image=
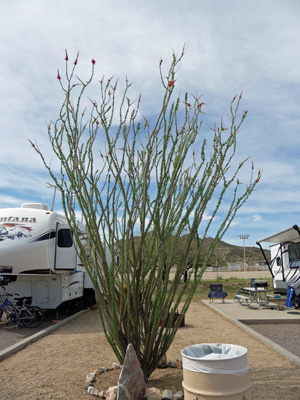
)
(102, 394)
(178, 395)
(98, 371)
(87, 384)
(116, 366)
(111, 393)
(167, 394)
(153, 394)
(163, 360)
(179, 362)
(172, 364)
(163, 366)
(90, 377)
(93, 391)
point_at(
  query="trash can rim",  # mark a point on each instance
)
(224, 358)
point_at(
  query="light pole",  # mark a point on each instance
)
(244, 237)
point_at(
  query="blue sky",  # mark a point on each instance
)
(232, 46)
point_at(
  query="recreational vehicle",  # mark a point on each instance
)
(285, 261)
(38, 257)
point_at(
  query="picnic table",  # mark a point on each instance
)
(254, 297)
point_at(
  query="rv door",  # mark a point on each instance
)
(65, 253)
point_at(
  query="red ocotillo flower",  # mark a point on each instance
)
(258, 177)
(76, 60)
(200, 106)
(66, 57)
(93, 62)
(171, 83)
(58, 76)
(32, 144)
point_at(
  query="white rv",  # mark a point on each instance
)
(285, 261)
(39, 258)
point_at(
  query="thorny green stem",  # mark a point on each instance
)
(141, 192)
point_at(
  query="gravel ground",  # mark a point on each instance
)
(286, 335)
(55, 366)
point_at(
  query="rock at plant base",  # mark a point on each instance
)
(90, 378)
(100, 371)
(163, 360)
(167, 394)
(111, 393)
(153, 394)
(172, 364)
(87, 384)
(163, 366)
(131, 383)
(178, 395)
(93, 391)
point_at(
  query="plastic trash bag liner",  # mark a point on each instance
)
(215, 358)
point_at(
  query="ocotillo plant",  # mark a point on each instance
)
(141, 186)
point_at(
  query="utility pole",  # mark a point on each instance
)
(243, 237)
(216, 251)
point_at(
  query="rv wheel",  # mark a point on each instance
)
(297, 301)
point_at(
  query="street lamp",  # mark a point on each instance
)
(243, 237)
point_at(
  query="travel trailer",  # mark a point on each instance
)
(285, 261)
(38, 257)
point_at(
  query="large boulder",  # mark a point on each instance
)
(131, 384)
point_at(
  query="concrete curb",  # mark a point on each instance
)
(31, 339)
(290, 356)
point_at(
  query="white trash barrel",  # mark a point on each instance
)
(215, 371)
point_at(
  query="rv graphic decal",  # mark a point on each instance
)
(45, 236)
(14, 231)
(18, 219)
(70, 284)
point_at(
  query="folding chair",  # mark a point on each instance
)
(216, 292)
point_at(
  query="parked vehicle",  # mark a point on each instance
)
(285, 261)
(38, 257)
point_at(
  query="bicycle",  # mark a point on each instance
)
(22, 312)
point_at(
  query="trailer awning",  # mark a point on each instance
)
(289, 235)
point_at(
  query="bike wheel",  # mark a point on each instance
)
(31, 317)
(26, 318)
(39, 316)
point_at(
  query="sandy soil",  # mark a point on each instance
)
(236, 274)
(55, 367)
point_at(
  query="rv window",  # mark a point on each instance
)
(64, 238)
(294, 252)
(278, 261)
